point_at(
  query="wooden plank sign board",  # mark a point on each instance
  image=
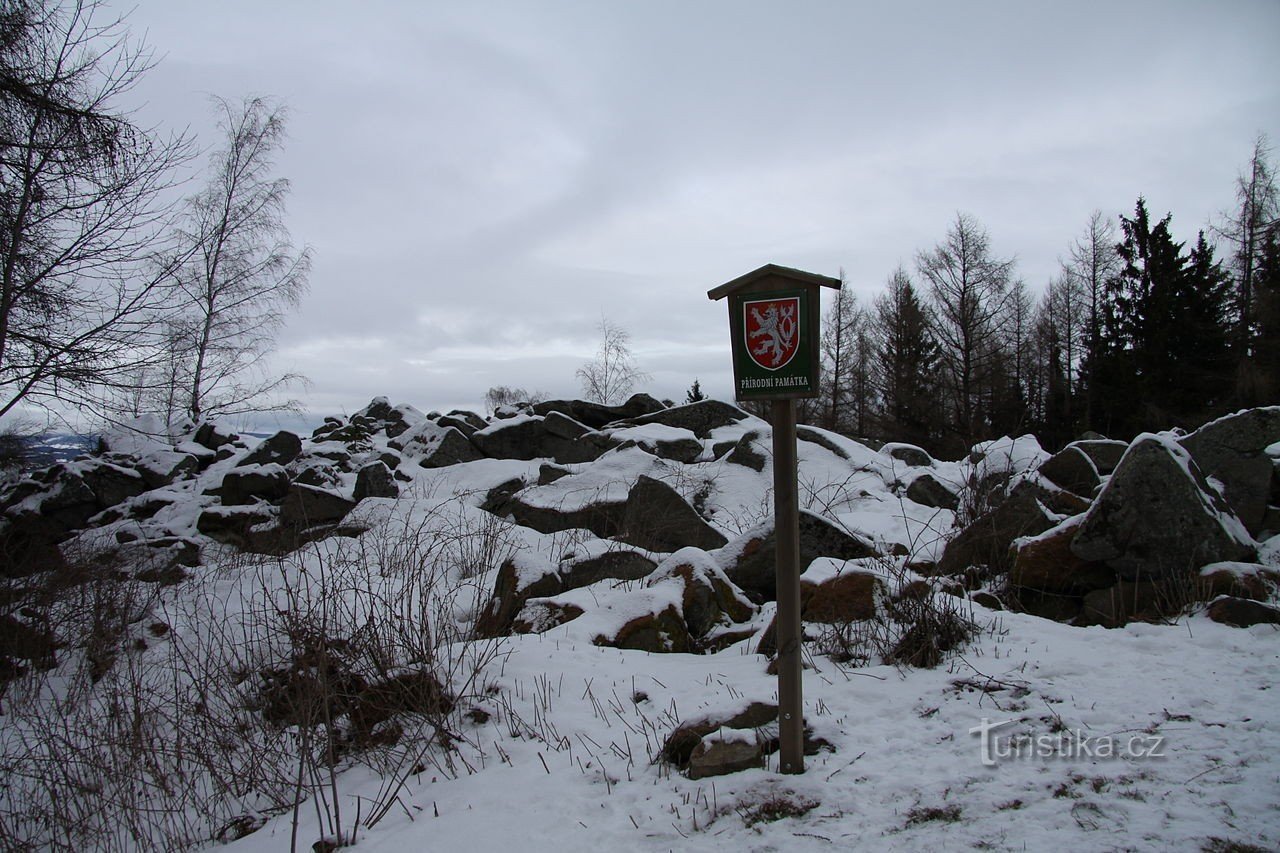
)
(774, 330)
(774, 317)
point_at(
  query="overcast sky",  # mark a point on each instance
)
(481, 182)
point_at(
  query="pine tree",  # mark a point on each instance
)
(694, 394)
(906, 356)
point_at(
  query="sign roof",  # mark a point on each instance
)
(798, 276)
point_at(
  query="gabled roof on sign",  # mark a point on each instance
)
(799, 276)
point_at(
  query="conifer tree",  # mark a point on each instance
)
(906, 356)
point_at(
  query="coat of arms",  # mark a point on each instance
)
(772, 331)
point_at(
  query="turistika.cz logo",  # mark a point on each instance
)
(1067, 744)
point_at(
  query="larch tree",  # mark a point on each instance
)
(243, 274)
(968, 290)
(85, 254)
(1091, 261)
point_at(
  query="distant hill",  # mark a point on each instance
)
(52, 447)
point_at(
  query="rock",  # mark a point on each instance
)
(1058, 607)
(468, 417)
(987, 600)
(281, 448)
(986, 540)
(1232, 450)
(849, 596)
(708, 599)
(595, 415)
(527, 437)
(563, 426)
(375, 481)
(1157, 517)
(927, 490)
(661, 632)
(700, 418)
(752, 560)
(726, 751)
(112, 484)
(541, 615)
(747, 452)
(521, 579)
(1047, 563)
(908, 453)
(163, 467)
(210, 436)
(230, 525)
(439, 448)
(1104, 453)
(604, 519)
(678, 748)
(1238, 580)
(821, 438)
(1072, 469)
(658, 519)
(548, 474)
(463, 426)
(1126, 602)
(1242, 613)
(306, 506)
(243, 486)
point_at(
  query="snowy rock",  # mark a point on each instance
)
(1104, 453)
(595, 415)
(211, 436)
(305, 506)
(1232, 450)
(1046, 563)
(678, 748)
(527, 437)
(657, 518)
(1157, 516)
(1243, 613)
(1072, 469)
(748, 453)
(435, 446)
(708, 599)
(661, 632)
(927, 490)
(699, 418)
(724, 752)
(242, 486)
(282, 448)
(374, 480)
(751, 561)
(908, 453)
(986, 540)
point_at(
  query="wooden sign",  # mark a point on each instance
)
(774, 316)
(773, 328)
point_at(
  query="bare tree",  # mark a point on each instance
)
(85, 256)
(611, 375)
(968, 289)
(500, 395)
(243, 274)
(1092, 260)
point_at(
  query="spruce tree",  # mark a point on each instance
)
(907, 364)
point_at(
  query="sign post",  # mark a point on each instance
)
(774, 317)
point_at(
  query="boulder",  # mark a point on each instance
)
(849, 596)
(700, 418)
(527, 437)
(163, 467)
(281, 448)
(908, 453)
(678, 748)
(210, 436)
(1046, 563)
(541, 615)
(1232, 450)
(243, 486)
(1242, 613)
(1158, 517)
(112, 484)
(231, 524)
(751, 561)
(374, 480)
(306, 506)
(1126, 602)
(441, 447)
(726, 751)
(708, 599)
(662, 632)
(656, 518)
(1072, 469)
(927, 490)
(1104, 453)
(596, 415)
(748, 453)
(604, 519)
(563, 426)
(987, 539)
(521, 579)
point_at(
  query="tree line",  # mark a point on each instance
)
(1137, 331)
(119, 296)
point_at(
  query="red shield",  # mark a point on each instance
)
(772, 331)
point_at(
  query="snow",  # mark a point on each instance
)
(557, 738)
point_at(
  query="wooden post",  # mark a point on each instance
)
(786, 515)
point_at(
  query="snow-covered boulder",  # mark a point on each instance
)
(1233, 451)
(1158, 516)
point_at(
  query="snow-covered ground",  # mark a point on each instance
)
(1036, 736)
